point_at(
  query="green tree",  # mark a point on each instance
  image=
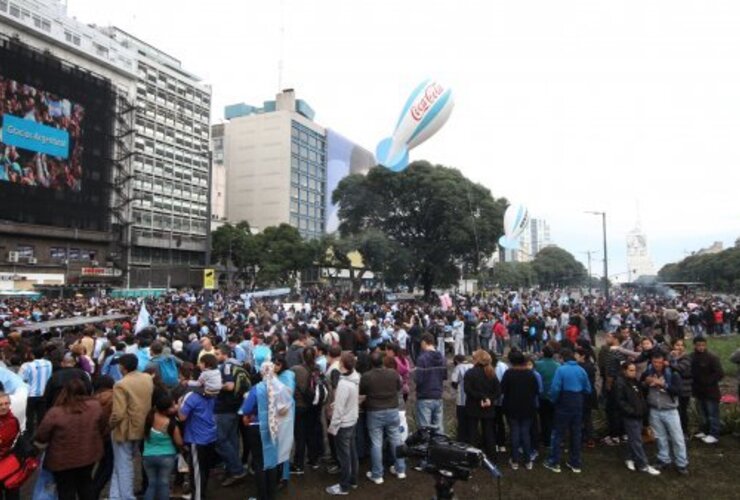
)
(513, 274)
(720, 271)
(557, 267)
(235, 246)
(283, 254)
(436, 218)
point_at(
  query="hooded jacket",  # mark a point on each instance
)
(346, 402)
(430, 374)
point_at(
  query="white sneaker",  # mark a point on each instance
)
(376, 480)
(399, 475)
(700, 435)
(710, 440)
(650, 470)
(630, 465)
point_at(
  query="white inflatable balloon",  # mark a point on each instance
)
(426, 110)
(516, 219)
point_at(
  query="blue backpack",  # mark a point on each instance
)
(167, 370)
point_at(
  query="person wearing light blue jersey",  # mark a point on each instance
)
(36, 372)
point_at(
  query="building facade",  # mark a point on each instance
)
(278, 168)
(170, 185)
(158, 160)
(53, 232)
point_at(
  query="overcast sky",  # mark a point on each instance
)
(563, 105)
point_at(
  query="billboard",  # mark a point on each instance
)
(56, 141)
(40, 137)
(343, 157)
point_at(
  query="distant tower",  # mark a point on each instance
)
(638, 259)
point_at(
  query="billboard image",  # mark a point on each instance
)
(40, 137)
(343, 157)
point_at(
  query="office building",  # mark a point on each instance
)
(169, 212)
(154, 167)
(62, 209)
(281, 165)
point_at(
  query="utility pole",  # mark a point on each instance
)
(588, 253)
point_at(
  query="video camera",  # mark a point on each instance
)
(447, 460)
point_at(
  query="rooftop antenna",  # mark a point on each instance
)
(282, 45)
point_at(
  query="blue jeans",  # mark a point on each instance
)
(709, 410)
(429, 414)
(384, 423)
(520, 437)
(347, 457)
(122, 481)
(667, 427)
(500, 344)
(158, 471)
(227, 442)
(568, 418)
(635, 450)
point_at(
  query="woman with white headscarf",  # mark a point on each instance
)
(265, 412)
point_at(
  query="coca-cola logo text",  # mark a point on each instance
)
(431, 94)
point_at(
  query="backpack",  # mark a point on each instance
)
(317, 393)
(242, 380)
(167, 370)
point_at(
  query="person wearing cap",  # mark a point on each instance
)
(132, 400)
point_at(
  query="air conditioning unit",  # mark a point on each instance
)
(13, 256)
(32, 260)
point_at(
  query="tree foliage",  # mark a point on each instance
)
(271, 258)
(513, 275)
(434, 220)
(557, 267)
(719, 271)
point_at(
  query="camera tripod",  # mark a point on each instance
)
(444, 486)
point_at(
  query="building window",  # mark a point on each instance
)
(4, 5)
(71, 37)
(41, 23)
(25, 251)
(15, 11)
(100, 50)
(58, 253)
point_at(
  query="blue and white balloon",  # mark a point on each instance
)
(426, 110)
(516, 219)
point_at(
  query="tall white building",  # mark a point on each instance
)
(280, 165)
(170, 205)
(638, 258)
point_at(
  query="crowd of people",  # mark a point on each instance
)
(264, 391)
(31, 168)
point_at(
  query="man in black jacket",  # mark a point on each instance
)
(706, 373)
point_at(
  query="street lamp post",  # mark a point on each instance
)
(606, 257)
(590, 288)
